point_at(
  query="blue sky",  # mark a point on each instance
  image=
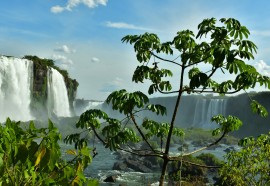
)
(84, 36)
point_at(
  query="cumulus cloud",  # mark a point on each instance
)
(73, 3)
(62, 61)
(65, 49)
(95, 60)
(262, 68)
(122, 25)
(57, 9)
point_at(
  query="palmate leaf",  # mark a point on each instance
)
(178, 132)
(205, 27)
(91, 118)
(143, 44)
(125, 102)
(235, 66)
(154, 74)
(158, 109)
(184, 41)
(156, 128)
(198, 80)
(227, 124)
(258, 108)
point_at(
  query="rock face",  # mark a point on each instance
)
(127, 162)
(137, 165)
(40, 88)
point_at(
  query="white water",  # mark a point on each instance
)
(90, 105)
(15, 88)
(205, 109)
(58, 103)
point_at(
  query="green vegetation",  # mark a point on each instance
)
(250, 165)
(31, 156)
(202, 137)
(44, 63)
(218, 47)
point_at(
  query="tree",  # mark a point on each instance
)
(250, 165)
(33, 156)
(220, 47)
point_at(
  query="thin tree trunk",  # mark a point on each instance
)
(163, 172)
(167, 147)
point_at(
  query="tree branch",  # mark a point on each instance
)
(195, 63)
(141, 133)
(170, 61)
(211, 91)
(199, 165)
(203, 148)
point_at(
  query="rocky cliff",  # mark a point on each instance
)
(40, 88)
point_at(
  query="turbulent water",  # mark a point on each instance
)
(15, 88)
(101, 167)
(58, 102)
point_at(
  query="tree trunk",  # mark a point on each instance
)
(163, 172)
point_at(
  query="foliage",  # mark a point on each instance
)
(250, 165)
(209, 159)
(182, 171)
(33, 156)
(201, 136)
(45, 63)
(217, 48)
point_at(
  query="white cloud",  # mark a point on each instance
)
(262, 68)
(57, 9)
(95, 60)
(122, 25)
(73, 3)
(62, 61)
(65, 49)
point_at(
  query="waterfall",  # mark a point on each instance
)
(58, 103)
(205, 109)
(15, 88)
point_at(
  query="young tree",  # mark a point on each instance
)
(220, 47)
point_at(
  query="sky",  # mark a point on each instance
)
(84, 36)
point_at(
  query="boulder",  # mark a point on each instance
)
(120, 166)
(137, 166)
(111, 178)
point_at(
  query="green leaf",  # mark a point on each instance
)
(71, 152)
(216, 132)
(158, 109)
(40, 156)
(258, 108)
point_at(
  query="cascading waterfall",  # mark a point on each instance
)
(15, 88)
(205, 109)
(58, 103)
